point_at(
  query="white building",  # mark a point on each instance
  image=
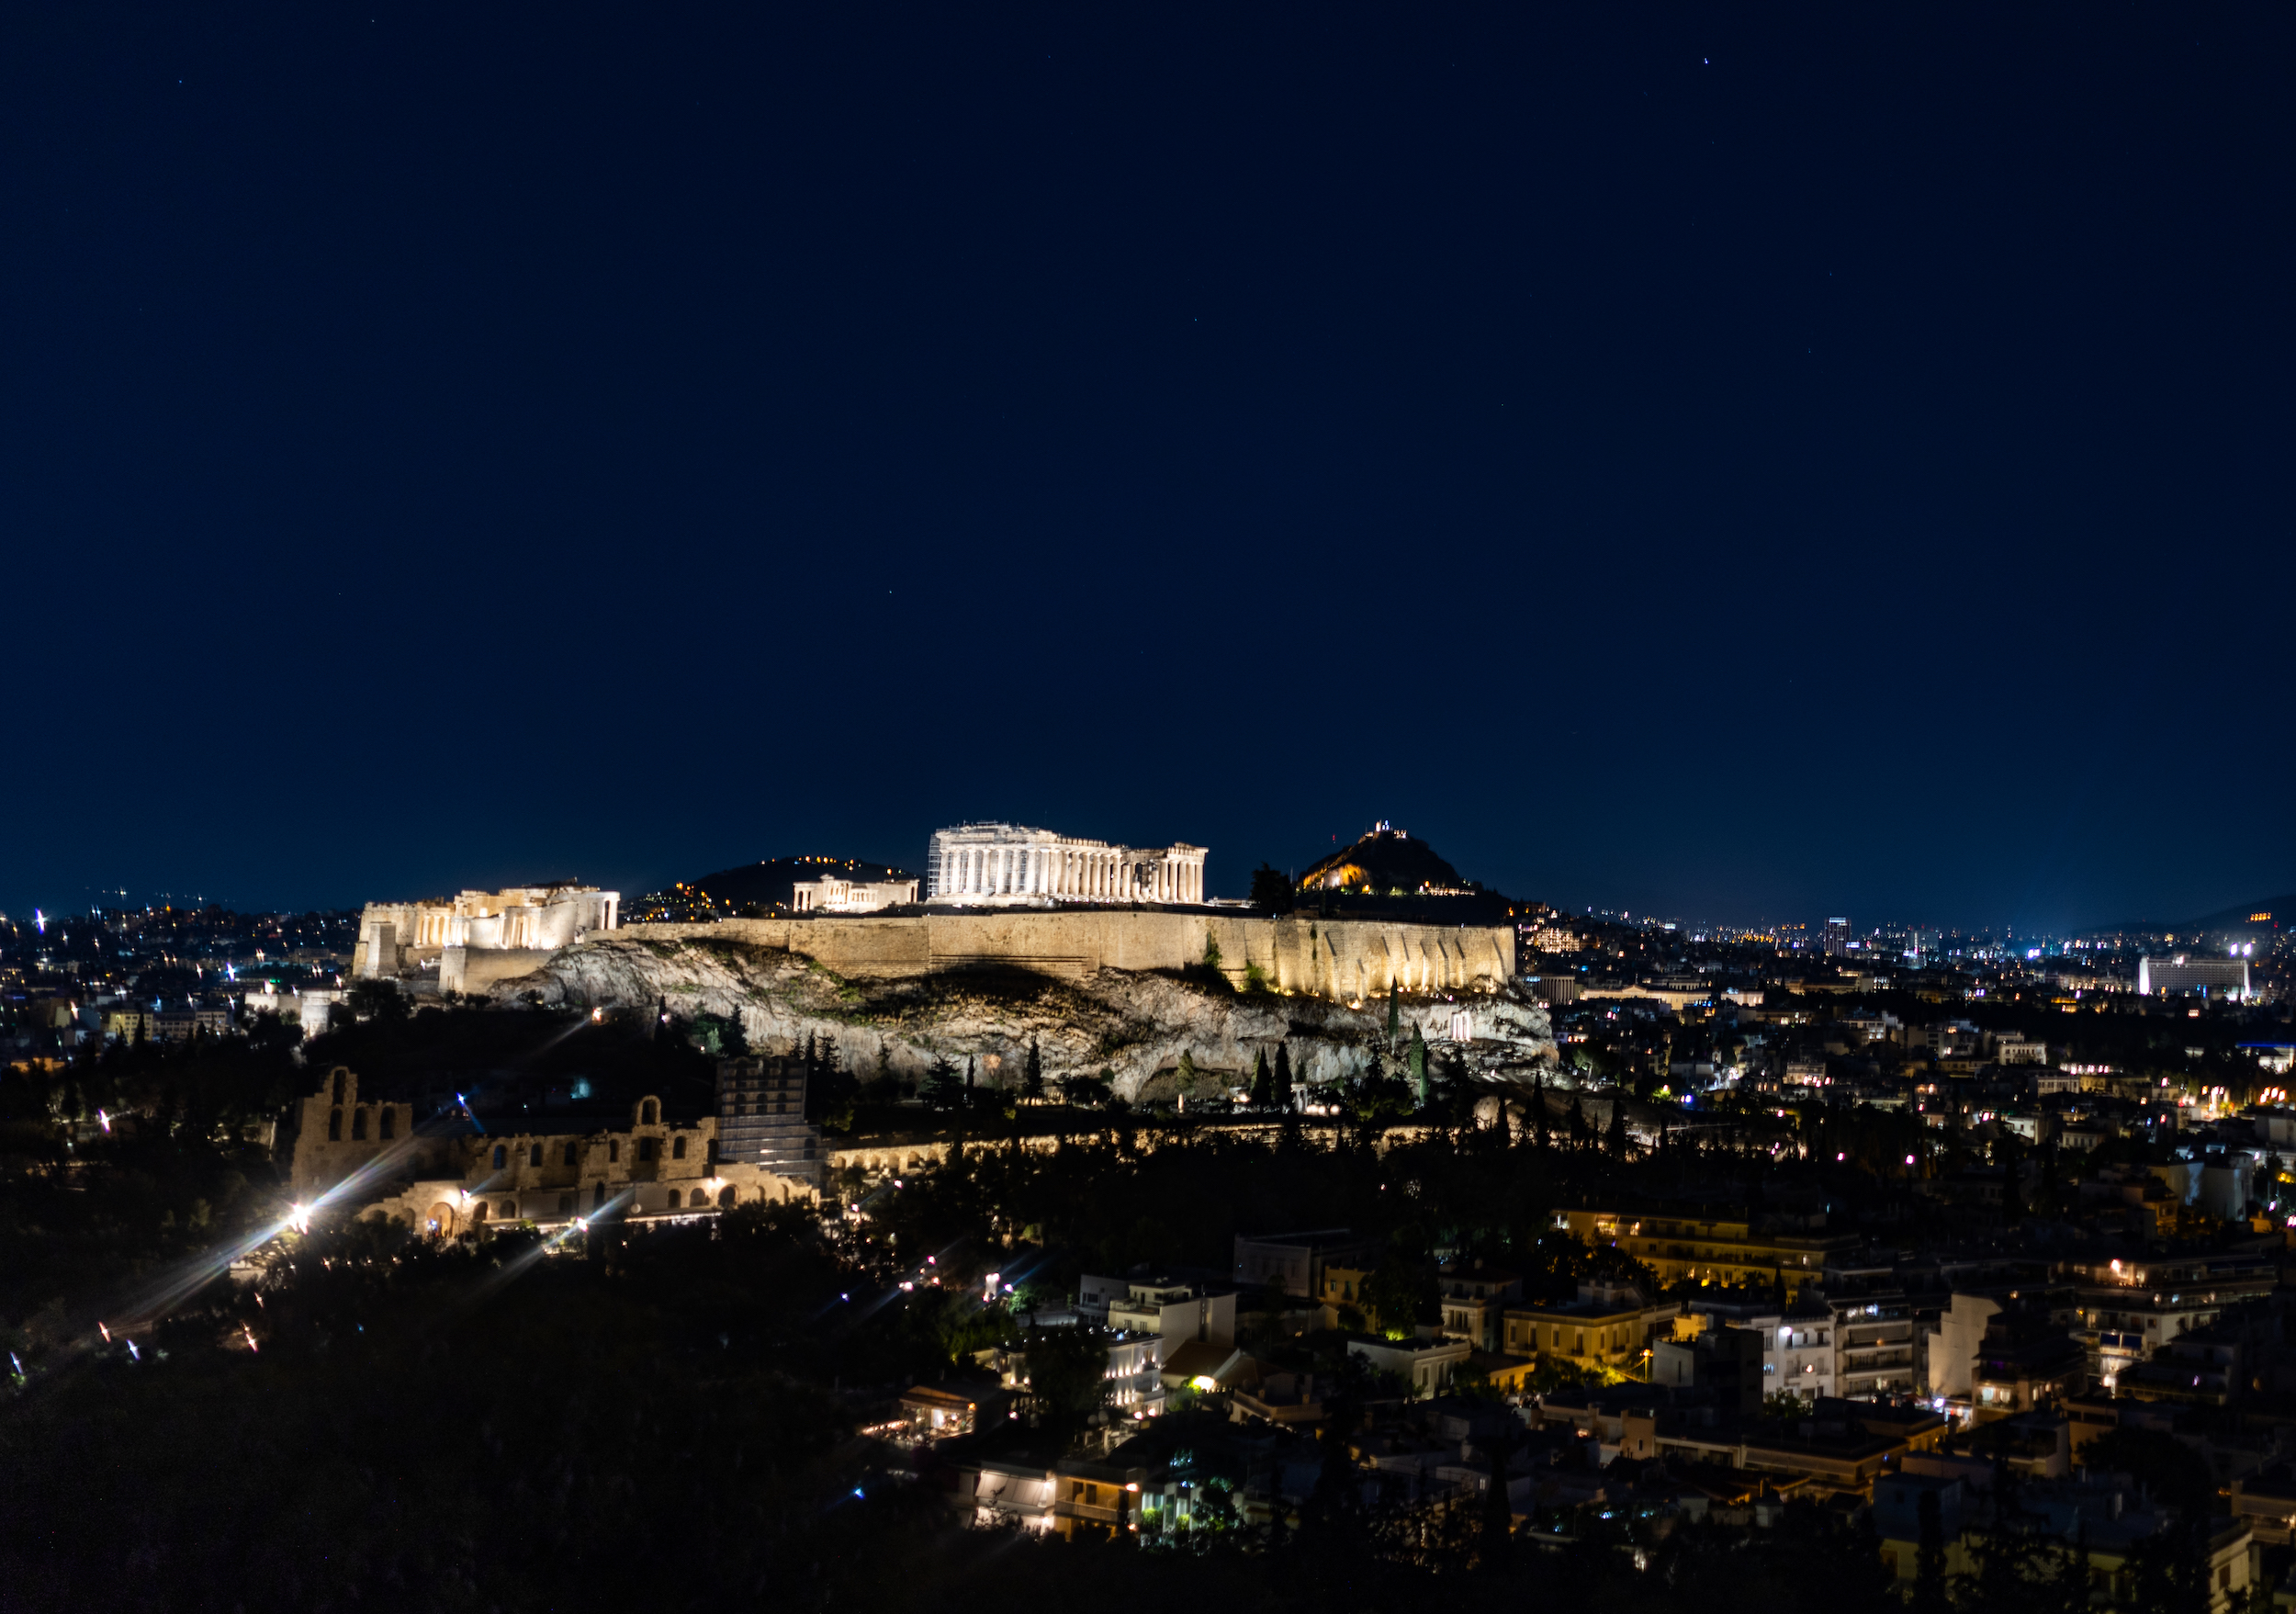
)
(832, 895)
(1953, 1344)
(308, 1007)
(1009, 866)
(2219, 977)
(1174, 1313)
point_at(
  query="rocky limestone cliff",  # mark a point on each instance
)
(1132, 1025)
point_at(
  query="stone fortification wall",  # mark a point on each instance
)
(1340, 959)
(474, 969)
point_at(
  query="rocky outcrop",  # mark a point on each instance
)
(1132, 1025)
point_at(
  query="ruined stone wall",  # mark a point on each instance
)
(1341, 959)
(652, 1167)
(474, 969)
(337, 1137)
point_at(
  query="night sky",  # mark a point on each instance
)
(1735, 462)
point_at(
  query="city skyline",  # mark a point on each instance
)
(1232, 881)
(1725, 463)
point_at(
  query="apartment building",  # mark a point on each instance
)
(1708, 1249)
(1609, 1326)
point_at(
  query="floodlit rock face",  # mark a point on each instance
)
(1131, 1024)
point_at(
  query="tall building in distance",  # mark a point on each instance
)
(1012, 865)
(2214, 978)
(1836, 938)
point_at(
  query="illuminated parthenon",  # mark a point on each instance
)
(1010, 864)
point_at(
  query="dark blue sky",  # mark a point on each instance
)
(1732, 460)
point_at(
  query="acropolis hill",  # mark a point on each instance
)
(1120, 990)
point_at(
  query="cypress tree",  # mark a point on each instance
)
(1416, 1058)
(1033, 1073)
(1394, 1017)
(1539, 1112)
(1283, 1075)
(1929, 1559)
(1617, 1140)
(1263, 1083)
(1498, 1512)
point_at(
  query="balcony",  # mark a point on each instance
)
(1875, 1362)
